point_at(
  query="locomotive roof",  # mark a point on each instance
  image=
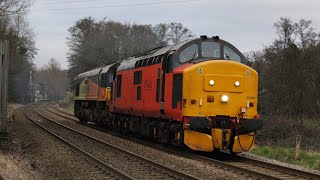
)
(106, 68)
(90, 73)
(130, 63)
(96, 71)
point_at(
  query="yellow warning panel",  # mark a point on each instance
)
(217, 138)
(243, 143)
(108, 94)
(198, 141)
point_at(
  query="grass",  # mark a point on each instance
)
(68, 102)
(69, 107)
(306, 158)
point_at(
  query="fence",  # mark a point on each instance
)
(4, 56)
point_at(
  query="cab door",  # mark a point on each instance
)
(166, 73)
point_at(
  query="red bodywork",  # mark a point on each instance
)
(148, 107)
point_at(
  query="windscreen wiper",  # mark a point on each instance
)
(227, 56)
(194, 55)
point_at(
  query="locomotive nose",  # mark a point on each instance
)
(223, 83)
(220, 95)
(221, 88)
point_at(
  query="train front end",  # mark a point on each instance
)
(220, 98)
(220, 106)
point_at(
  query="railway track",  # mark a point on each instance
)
(252, 167)
(282, 171)
(261, 169)
(61, 113)
(123, 163)
(109, 168)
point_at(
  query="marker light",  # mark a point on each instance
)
(237, 83)
(224, 98)
(193, 101)
(211, 82)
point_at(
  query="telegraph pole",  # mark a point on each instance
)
(4, 58)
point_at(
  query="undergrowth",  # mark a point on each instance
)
(307, 159)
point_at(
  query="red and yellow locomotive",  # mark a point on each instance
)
(197, 93)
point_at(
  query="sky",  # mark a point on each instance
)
(247, 24)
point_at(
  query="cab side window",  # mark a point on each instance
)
(189, 53)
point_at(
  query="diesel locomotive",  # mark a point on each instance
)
(198, 93)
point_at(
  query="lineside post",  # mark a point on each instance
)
(4, 58)
(297, 147)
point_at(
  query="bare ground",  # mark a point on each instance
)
(31, 153)
(12, 164)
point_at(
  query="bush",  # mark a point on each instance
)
(282, 130)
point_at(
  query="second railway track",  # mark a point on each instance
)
(126, 164)
(249, 166)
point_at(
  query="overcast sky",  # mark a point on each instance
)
(248, 24)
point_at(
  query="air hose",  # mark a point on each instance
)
(248, 135)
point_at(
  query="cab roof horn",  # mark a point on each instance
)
(215, 37)
(204, 37)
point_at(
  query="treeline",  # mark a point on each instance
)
(51, 81)
(289, 84)
(15, 28)
(95, 43)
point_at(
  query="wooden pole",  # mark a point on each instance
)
(297, 148)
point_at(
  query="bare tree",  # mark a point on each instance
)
(306, 33)
(15, 28)
(53, 80)
(12, 7)
(178, 32)
(161, 32)
(285, 29)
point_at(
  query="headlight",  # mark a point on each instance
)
(211, 82)
(224, 98)
(237, 83)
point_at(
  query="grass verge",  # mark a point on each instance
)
(69, 107)
(306, 158)
(68, 102)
